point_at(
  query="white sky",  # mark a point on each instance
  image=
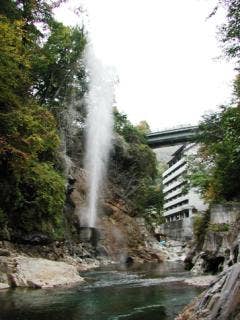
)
(165, 53)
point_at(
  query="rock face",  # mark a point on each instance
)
(21, 271)
(126, 238)
(174, 250)
(221, 301)
(221, 243)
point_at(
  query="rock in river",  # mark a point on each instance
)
(24, 271)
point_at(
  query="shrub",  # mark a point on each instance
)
(200, 225)
(218, 227)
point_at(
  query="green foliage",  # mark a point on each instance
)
(125, 128)
(134, 168)
(218, 227)
(33, 198)
(33, 191)
(32, 12)
(36, 71)
(43, 197)
(237, 89)
(216, 171)
(57, 69)
(31, 130)
(153, 204)
(230, 30)
(200, 225)
(14, 64)
(199, 176)
(230, 37)
(144, 127)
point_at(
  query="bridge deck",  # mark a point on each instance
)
(171, 137)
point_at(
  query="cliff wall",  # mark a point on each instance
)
(218, 248)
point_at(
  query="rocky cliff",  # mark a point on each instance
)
(125, 194)
(218, 246)
(214, 249)
(221, 301)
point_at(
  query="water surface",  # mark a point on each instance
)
(146, 292)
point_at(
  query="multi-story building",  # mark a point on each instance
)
(179, 204)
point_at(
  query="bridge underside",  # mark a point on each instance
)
(172, 137)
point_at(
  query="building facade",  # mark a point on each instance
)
(179, 204)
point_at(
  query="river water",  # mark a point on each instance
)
(145, 292)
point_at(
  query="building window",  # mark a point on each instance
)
(182, 203)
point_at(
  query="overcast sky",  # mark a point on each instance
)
(165, 53)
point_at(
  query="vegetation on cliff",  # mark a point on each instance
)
(134, 168)
(36, 73)
(216, 171)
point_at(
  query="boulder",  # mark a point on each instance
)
(4, 281)
(4, 286)
(39, 273)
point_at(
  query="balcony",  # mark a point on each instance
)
(176, 173)
(173, 194)
(173, 185)
(177, 164)
(176, 210)
(175, 201)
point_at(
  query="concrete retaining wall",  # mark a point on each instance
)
(183, 229)
(225, 213)
(180, 230)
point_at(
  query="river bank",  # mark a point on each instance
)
(46, 266)
(119, 239)
(55, 265)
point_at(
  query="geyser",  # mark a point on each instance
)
(99, 125)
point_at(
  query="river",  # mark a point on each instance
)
(145, 292)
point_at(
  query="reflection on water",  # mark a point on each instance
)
(139, 293)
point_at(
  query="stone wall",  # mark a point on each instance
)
(180, 230)
(225, 213)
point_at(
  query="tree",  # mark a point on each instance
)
(15, 64)
(217, 171)
(58, 69)
(237, 90)
(32, 188)
(133, 169)
(144, 127)
(230, 37)
(125, 128)
(230, 30)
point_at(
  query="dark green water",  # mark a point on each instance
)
(146, 292)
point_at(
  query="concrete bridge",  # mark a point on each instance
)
(172, 137)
